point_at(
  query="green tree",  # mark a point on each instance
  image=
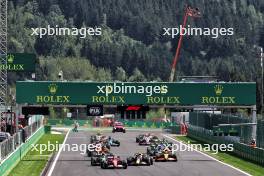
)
(137, 76)
(120, 74)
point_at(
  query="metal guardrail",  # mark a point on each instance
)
(9, 145)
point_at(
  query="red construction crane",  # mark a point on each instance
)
(188, 12)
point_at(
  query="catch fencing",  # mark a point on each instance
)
(127, 123)
(9, 145)
(242, 150)
(210, 121)
(260, 134)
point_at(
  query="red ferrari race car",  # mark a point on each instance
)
(112, 161)
(118, 127)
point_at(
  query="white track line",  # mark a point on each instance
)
(208, 155)
(57, 157)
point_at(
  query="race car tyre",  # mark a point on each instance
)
(124, 131)
(156, 157)
(175, 157)
(151, 153)
(137, 140)
(129, 161)
(93, 153)
(148, 150)
(89, 154)
(92, 162)
(108, 146)
(149, 161)
(103, 165)
(124, 165)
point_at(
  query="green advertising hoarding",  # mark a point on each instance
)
(150, 93)
(19, 62)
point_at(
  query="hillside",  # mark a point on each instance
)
(132, 46)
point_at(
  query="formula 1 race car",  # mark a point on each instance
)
(139, 137)
(97, 137)
(148, 140)
(108, 141)
(166, 155)
(97, 159)
(154, 139)
(118, 127)
(140, 159)
(112, 161)
(95, 153)
(92, 139)
(155, 148)
(92, 151)
(113, 142)
(152, 150)
(145, 141)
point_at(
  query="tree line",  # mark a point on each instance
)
(132, 47)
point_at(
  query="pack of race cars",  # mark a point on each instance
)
(157, 150)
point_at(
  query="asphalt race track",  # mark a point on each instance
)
(190, 163)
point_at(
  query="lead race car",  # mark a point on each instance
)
(118, 127)
(140, 159)
(113, 161)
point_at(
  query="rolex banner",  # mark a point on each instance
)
(19, 62)
(148, 93)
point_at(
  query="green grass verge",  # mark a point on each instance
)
(229, 158)
(33, 163)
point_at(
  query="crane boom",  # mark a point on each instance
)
(192, 12)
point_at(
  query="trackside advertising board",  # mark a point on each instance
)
(19, 62)
(149, 93)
